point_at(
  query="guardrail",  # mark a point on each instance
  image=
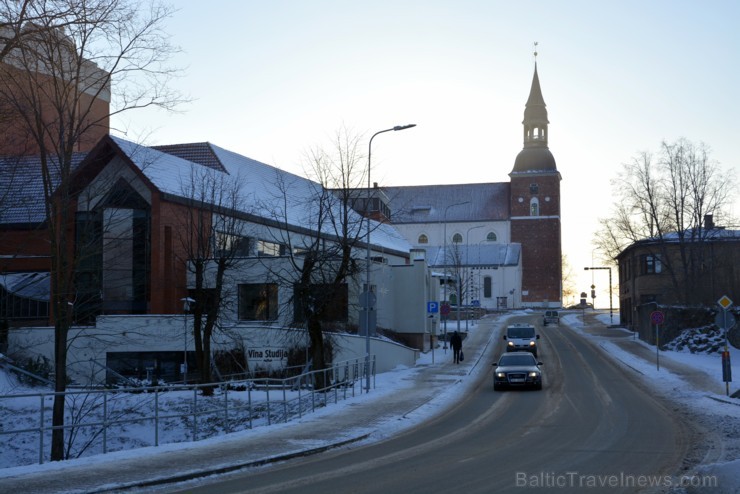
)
(106, 420)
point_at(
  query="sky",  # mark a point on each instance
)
(713, 412)
(271, 80)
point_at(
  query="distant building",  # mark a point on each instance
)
(27, 94)
(694, 270)
(503, 240)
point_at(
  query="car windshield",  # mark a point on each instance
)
(509, 360)
(521, 332)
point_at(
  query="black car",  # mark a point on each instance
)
(517, 370)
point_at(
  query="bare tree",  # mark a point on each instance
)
(326, 254)
(666, 199)
(60, 66)
(213, 237)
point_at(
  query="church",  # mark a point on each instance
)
(493, 245)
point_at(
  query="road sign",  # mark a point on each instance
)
(432, 307)
(657, 317)
(445, 309)
(725, 320)
(725, 302)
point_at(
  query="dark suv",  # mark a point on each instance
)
(521, 337)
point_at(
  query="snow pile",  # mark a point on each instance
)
(708, 339)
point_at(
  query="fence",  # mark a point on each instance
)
(105, 420)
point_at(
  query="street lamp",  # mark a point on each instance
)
(444, 260)
(185, 309)
(467, 267)
(611, 310)
(368, 302)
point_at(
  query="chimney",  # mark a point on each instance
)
(708, 222)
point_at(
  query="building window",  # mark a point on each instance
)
(457, 238)
(423, 239)
(534, 207)
(269, 249)
(228, 245)
(25, 296)
(258, 302)
(487, 287)
(332, 302)
(533, 188)
(491, 237)
(650, 264)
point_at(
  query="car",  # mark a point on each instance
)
(517, 370)
(551, 317)
(521, 337)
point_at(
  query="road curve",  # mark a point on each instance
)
(591, 427)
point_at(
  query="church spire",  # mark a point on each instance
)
(535, 155)
(535, 114)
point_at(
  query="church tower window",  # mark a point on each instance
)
(423, 239)
(457, 238)
(491, 237)
(534, 207)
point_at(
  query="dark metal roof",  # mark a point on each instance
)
(198, 152)
(455, 202)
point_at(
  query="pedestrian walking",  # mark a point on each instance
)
(456, 344)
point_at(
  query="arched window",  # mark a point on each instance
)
(457, 238)
(487, 287)
(491, 237)
(423, 239)
(534, 207)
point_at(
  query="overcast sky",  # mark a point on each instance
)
(271, 79)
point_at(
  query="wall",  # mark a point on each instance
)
(167, 333)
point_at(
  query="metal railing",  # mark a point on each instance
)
(105, 420)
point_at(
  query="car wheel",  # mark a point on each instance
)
(538, 386)
(496, 387)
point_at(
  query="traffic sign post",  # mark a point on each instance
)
(726, 321)
(657, 318)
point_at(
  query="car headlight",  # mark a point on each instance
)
(534, 374)
(501, 375)
(511, 343)
(532, 343)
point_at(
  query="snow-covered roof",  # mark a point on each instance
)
(483, 255)
(454, 202)
(22, 188)
(271, 193)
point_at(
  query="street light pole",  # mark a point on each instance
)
(185, 308)
(368, 302)
(444, 261)
(467, 267)
(611, 307)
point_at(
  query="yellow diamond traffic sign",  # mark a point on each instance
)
(725, 302)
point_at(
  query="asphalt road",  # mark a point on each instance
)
(589, 429)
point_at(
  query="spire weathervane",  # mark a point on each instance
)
(535, 51)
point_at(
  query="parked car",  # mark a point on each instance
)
(521, 337)
(517, 370)
(551, 317)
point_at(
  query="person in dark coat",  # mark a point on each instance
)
(456, 344)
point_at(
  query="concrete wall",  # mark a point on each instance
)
(168, 333)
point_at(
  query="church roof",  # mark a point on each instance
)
(454, 202)
(479, 255)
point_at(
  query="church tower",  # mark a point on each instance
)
(535, 207)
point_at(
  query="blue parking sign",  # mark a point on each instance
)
(432, 307)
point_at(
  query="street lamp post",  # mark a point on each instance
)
(368, 302)
(467, 267)
(185, 308)
(444, 261)
(611, 307)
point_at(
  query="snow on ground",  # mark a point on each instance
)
(716, 414)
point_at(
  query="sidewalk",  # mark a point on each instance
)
(366, 415)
